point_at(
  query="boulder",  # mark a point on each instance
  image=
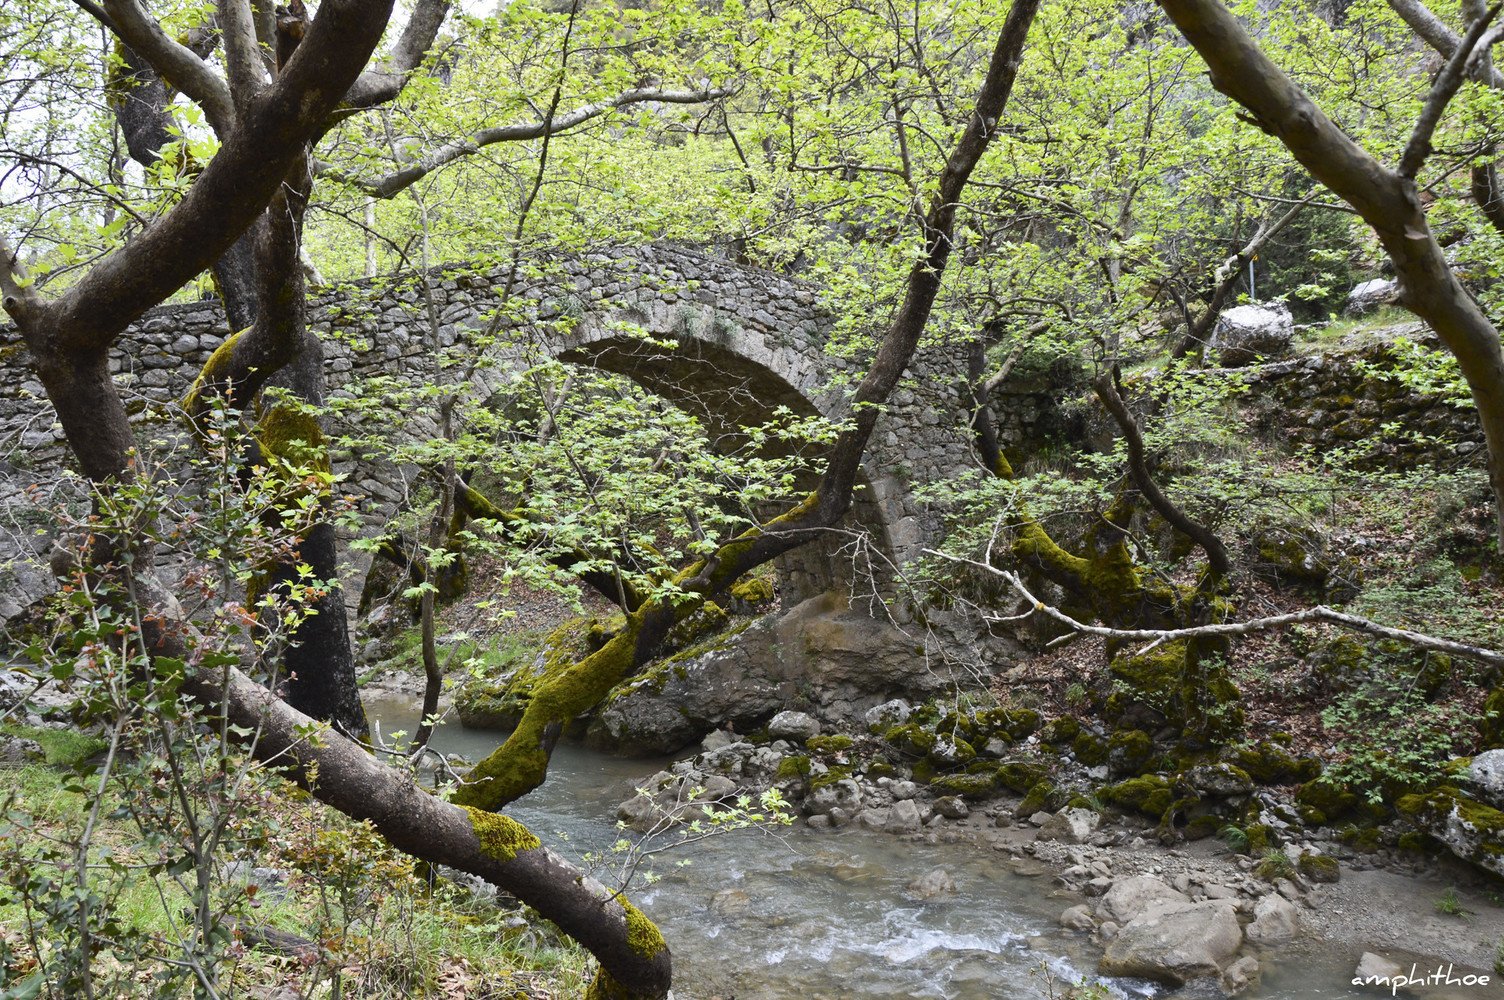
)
(17, 751)
(845, 795)
(1370, 296)
(903, 817)
(1484, 778)
(793, 726)
(1175, 942)
(1223, 780)
(952, 807)
(932, 884)
(1078, 918)
(894, 712)
(840, 660)
(1240, 975)
(1376, 970)
(1472, 830)
(1130, 897)
(1274, 921)
(1244, 334)
(1073, 826)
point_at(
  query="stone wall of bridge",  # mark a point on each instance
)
(727, 343)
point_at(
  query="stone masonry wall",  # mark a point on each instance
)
(748, 341)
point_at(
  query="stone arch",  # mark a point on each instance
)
(704, 361)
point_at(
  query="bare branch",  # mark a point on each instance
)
(174, 62)
(1434, 32)
(393, 184)
(1108, 391)
(1442, 92)
(381, 85)
(1320, 613)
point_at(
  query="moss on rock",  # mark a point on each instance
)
(1038, 799)
(968, 786)
(1129, 751)
(1149, 794)
(1319, 867)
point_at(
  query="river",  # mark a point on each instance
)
(823, 916)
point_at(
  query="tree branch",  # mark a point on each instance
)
(228, 195)
(1434, 32)
(1442, 91)
(243, 62)
(393, 184)
(174, 62)
(1320, 613)
(1109, 392)
(378, 86)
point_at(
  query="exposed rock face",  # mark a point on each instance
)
(1484, 777)
(795, 726)
(1073, 826)
(1244, 334)
(833, 659)
(1471, 829)
(1274, 920)
(1130, 897)
(17, 751)
(1175, 942)
(1370, 296)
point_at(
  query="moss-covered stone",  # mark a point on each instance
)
(1090, 749)
(794, 768)
(911, 738)
(830, 776)
(1491, 725)
(1270, 764)
(1326, 799)
(881, 769)
(1060, 732)
(1471, 829)
(1038, 799)
(1362, 838)
(829, 744)
(1129, 752)
(974, 787)
(1149, 681)
(1020, 775)
(1201, 827)
(1149, 794)
(753, 591)
(1319, 867)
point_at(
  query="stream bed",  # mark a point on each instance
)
(821, 916)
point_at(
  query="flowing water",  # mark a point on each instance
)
(819, 916)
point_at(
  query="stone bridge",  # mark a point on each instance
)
(727, 343)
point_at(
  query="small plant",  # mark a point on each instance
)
(1275, 864)
(1235, 837)
(1075, 695)
(1450, 905)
